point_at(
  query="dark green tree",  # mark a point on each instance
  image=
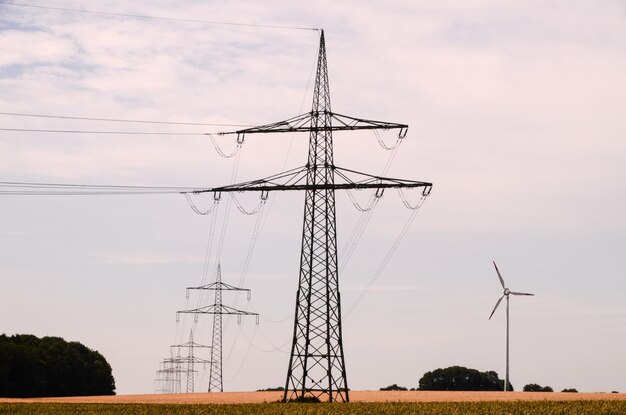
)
(50, 366)
(459, 378)
(570, 390)
(533, 387)
(278, 388)
(394, 387)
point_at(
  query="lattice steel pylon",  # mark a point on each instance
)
(171, 374)
(191, 359)
(316, 365)
(217, 309)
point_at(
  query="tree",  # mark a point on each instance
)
(459, 378)
(533, 387)
(50, 366)
(393, 387)
(570, 390)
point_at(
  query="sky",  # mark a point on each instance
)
(516, 115)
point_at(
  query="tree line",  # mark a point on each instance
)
(50, 366)
(459, 378)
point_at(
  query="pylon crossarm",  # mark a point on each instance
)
(218, 286)
(369, 181)
(295, 179)
(190, 344)
(345, 122)
(213, 309)
(302, 123)
(234, 311)
(293, 124)
(174, 370)
(187, 359)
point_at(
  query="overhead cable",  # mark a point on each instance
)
(43, 189)
(419, 203)
(243, 210)
(359, 229)
(220, 151)
(170, 19)
(195, 208)
(68, 117)
(34, 130)
(358, 206)
(383, 264)
(385, 146)
(355, 236)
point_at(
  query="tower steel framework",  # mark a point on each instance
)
(171, 375)
(316, 364)
(190, 359)
(217, 309)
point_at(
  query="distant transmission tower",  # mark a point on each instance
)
(170, 375)
(316, 365)
(191, 359)
(218, 310)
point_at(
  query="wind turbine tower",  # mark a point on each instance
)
(506, 294)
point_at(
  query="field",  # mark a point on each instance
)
(363, 402)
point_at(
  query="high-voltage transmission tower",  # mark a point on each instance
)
(171, 374)
(217, 309)
(316, 365)
(190, 359)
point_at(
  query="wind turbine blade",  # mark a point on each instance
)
(499, 276)
(497, 304)
(515, 293)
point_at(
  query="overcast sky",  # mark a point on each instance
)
(516, 116)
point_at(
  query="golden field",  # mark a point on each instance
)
(355, 396)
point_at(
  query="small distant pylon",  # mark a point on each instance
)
(170, 376)
(191, 360)
(217, 309)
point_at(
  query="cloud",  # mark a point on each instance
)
(24, 48)
(388, 288)
(146, 258)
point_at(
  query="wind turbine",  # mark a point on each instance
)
(506, 294)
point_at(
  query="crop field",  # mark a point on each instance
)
(581, 407)
(363, 402)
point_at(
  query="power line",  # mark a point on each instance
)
(67, 117)
(170, 19)
(93, 186)
(67, 192)
(34, 130)
(65, 189)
